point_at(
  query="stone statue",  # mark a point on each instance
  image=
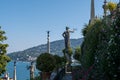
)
(32, 69)
(66, 36)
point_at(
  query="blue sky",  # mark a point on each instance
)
(26, 21)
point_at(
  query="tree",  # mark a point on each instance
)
(60, 62)
(85, 30)
(45, 62)
(77, 53)
(91, 40)
(113, 56)
(4, 59)
(101, 46)
(94, 49)
(58, 59)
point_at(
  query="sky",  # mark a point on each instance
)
(26, 22)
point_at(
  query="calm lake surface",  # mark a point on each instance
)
(21, 68)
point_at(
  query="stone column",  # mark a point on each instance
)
(14, 76)
(48, 42)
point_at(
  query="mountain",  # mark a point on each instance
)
(56, 47)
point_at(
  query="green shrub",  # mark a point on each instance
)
(45, 62)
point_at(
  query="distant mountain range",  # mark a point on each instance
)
(56, 47)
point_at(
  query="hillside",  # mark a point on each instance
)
(56, 48)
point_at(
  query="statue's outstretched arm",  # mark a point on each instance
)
(72, 31)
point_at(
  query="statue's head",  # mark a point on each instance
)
(67, 28)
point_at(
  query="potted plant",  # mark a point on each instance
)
(45, 63)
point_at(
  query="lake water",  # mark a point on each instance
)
(21, 68)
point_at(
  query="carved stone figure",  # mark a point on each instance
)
(66, 36)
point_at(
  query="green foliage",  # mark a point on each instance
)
(70, 51)
(58, 60)
(94, 49)
(85, 30)
(113, 56)
(100, 52)
(91, 40)
(64, 51)
(101, 47)
(77, 54)
(64, 60)
(4, 59)
(45, 62)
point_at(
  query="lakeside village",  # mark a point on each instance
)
(98, 58)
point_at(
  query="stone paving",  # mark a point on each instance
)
(68, 76)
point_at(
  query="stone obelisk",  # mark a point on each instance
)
(92, 13)
(48, 42)
(14, 75)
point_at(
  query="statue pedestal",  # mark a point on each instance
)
(68, 68)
